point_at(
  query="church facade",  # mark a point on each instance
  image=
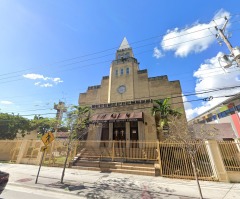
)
(121, 104)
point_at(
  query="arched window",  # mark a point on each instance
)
(116, 72)
(121, 71)
(127, 71)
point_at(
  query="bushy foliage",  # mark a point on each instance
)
(42, 125)
(80, 125)
(11, 124)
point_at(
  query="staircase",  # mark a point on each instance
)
(119, 167)
(100, 159)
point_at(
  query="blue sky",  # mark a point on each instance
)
(53, 50)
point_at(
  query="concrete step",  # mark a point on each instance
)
(110, 163)
(136, 168)
(136, 172)
(87, 163)
(115, 166)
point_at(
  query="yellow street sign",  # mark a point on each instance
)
(47, 138)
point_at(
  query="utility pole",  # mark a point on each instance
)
(234, 52)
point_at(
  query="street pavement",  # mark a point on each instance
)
(104, 185)
(15, 192)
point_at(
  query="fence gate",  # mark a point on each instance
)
(176, 161)
(230, 152)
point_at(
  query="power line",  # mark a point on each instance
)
(88, 65)
(116, 47)
(189, 94)
(173, 96)
(203, 99)
(168, 75)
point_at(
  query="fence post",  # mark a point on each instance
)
(216, 161)
(237, 141)
(23, 148)
(113, 151)
(15, 148)
(159, 158)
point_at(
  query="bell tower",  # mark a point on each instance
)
(123, 72)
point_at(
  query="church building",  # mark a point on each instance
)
(121, 104)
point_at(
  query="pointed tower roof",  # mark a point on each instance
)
(124, 44)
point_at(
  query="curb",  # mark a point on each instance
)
(42, 187)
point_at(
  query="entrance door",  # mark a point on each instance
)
(119, 134)
(134, 134)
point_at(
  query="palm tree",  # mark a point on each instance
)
(161, 110)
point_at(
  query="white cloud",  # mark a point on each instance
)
(203, 107)
(46, 85)
(33, 76)
(186, 41)
(45, 81)
(37, 83)
(211, 76)
(157, 53)
(5, 102)
(57, 80)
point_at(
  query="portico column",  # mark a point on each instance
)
(141, 136)
(110, 135)
(98, 134)
(127, 134)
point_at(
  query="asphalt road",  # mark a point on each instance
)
(14, 192)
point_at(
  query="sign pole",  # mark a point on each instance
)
(47, 138)
(40, 164)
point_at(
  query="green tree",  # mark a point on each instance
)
(80, 126)
(42, 125)
(161, 111)
(78, 119)
(11, 124)
(182, 133)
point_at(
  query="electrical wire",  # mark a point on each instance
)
(115, 48)
(185, 93)
(107, 61)
(173, 96)
(94, 64)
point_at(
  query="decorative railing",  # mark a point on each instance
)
(172, 159)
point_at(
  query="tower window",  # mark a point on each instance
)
(127, 71)
(126, 55)
(121, 71)
(116, 72)
(119, 56)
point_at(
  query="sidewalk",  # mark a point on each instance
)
(95, 184)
